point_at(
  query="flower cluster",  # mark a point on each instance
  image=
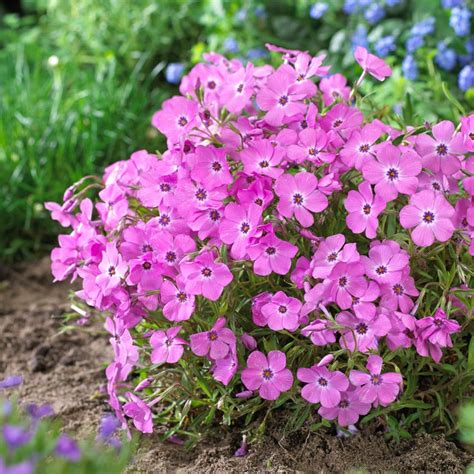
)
(277, 239)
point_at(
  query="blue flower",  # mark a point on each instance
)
(445, 57)
(318, 10)
(460, 20)
(466, 78)
(241, 15)
(384, 46)
(256, 53)
(260, 11)
(351, 6)
(424, 27)
(359, 38)
(392, 3)
(410, 68)
(174, 72)
(230, 45)
(451, 3)
(413, 43)
(374, 13)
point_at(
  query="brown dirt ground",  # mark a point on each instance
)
(67, 371)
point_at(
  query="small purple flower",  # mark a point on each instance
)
(243, 450)
(15, 436)
(68, 449)
(39, 411)
(25, 467)
(108, 426)
(12, 381)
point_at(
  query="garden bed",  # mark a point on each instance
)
(67, 371)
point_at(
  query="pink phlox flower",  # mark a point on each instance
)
(322, 386)
(170, 249)
(403, 330)
(441, 152)
(364, 209)
(258, 302)
(282, 312)
(372, 64)
(334, 88)
(361, 334)
(340, 121)
(176, 118)
(360, 147)
(238, 89)
(347, 281)
(386, 262)
(429, 214)
(267, 374)
(204, 276)
(312, 146)
(206, 222)
(438, 182)
(376, 388)
(192, 196)
(139, 412)
(114, 207)
(434, 333)
(157, 186)
(217, 342)
(332, 250)
(166, 346)
(320, 332)
(248, 341)
(262, 158)
(398, 295)
(283, 95)
(224, 369)
(239, 226)
(271, 254)
(308, 66)
(349, 409)
(299, 196)
(301, 272)
(363, 306)
(178, 304)
(146, 271)
(112, 269)
(259, 193)
(139, 239)
(210, 166)
(467, 131)
(393, 172)
(61, 213)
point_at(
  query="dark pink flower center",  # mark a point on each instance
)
(442, 149)
(211, 85)
(111, 270)
(381, 270)
(342, 281)
(245, 227)
(267, 374)
(438, 322)
(322, 381)
(240, 88)
(181, 296)
(214, 215)
(216, 166)
(332, 257)
(201, 194)
(361, 328)
(376, 379)
(147, 248)
(436, 186)
(282, 309)
(304, 124)
(259, 202)
(298, 199)
(264, 164)
(428, 217)
(170, 256)
(146, 265)
(312, 151)
(169, 342)
(213, 336)
(337, 123)
(366, 209)
(283, 100)
(164, 220)
(165, 187)
(182, 121)
(364, 148)
(270, 250)
(392, 174)
(206, 272)
(398, 289)
(344, 404)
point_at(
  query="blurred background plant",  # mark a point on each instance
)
(31, 441)
(466, 428)
(80, 79)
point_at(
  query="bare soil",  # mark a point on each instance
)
(66, 370)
